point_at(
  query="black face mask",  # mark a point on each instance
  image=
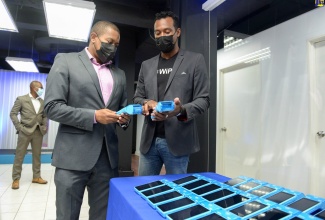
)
(106, 52)
(165, 43)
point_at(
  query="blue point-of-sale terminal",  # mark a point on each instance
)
(164, 106)
(133, 109)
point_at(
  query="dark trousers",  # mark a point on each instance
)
(70, 188)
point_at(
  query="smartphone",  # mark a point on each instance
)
(188, 213)
(234, 181)
(206, 189)
(218, 194)
(261, 191)
(270, 214)
(212, 216)
(230, 201)
(321, 215)
(280, 197)
(165, 197)
(185, 179)
(149, 185)
(195, 184)
(156, 190)
(303, 204)
(175, 204)
(247, 186)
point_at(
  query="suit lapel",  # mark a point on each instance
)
(153, 72)
(177, 63)
(42, 105)
(115, 83)
(89, 67)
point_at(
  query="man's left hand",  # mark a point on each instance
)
(165, 115)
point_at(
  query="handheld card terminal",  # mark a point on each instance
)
(133, 109)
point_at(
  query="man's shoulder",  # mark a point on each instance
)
(150, 60)
(23, 96)
(190, 53)
(70, 55)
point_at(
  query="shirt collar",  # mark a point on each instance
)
(30, 95)
(94, 61)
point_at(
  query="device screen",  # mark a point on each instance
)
(218, 194)
(280, 197)
(262, 191)
(149, 185)
(175, 204)
(164, 197)
(230, 201)
(212, 216)
(188, 213)
(247, 186)
(303, 204)
(206, 189)
(270, 214)
(185, 179)
(248, 208)
(234, 181)
(321, 214)
(195, 184)
(156, 190)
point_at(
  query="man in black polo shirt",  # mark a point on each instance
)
(169, 138)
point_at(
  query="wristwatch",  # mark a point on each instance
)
(181, 111)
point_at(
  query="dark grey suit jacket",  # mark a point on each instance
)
(189, 82)
(29, 119)
(72, 95)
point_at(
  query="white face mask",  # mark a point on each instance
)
(40, 91)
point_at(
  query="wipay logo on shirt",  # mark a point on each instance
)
(164, 71)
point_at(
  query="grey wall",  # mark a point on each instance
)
(199, 34)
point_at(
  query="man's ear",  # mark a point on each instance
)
(93, 35)
(178, 32)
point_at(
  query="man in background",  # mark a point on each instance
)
(31, 128)
(83, 92)
(175, 74)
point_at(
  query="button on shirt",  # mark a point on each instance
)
(36, 103)
(104, 76)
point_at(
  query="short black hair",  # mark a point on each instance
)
(100, 26)
(165, 14)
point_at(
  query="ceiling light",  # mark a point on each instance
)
(69, 19)
(6, 21)
(211, 4)
(22, 64)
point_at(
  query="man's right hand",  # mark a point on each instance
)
(106, 116)
(149, 105)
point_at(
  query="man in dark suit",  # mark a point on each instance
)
(31, 128)
(83, 92)
(175, 74)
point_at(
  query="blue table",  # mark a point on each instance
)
(124, 203)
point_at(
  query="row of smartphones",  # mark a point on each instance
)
(198, 197)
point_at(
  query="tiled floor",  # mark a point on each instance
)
(31, 201)
(35, 201)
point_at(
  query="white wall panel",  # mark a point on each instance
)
(286, 155)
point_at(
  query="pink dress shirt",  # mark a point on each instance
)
(105, 78)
